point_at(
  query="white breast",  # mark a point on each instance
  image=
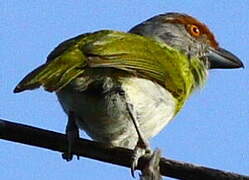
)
(155, 106)
(104, 117)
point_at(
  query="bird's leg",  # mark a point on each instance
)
(142, 146)
(72, 133)
(150, 170)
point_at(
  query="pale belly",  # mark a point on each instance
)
(103, 115)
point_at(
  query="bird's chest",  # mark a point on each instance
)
(101, 108)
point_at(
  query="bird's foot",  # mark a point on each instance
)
(141, 149)
(150, 169)
(72, 133)
(71, 138)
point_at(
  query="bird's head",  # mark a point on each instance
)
(190, 36)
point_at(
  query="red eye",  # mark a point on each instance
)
(194, 30)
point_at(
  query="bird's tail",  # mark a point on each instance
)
(53, 75)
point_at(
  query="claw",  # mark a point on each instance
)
(72, 133)
(138, 152)
(133, 165)
(67, 156)
(151, 170)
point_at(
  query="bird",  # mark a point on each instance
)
(123, 88)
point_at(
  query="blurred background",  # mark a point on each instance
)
(212, 130)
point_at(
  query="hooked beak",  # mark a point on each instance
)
(222, 59)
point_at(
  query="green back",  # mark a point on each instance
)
(137, 55)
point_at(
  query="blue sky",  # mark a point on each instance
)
(211, 130)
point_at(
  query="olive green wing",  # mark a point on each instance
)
(147, 58)
(63, 64)
(128, 52)
(141, 56)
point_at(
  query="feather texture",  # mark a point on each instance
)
(137, 55)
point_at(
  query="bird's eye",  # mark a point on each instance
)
(194, 30)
